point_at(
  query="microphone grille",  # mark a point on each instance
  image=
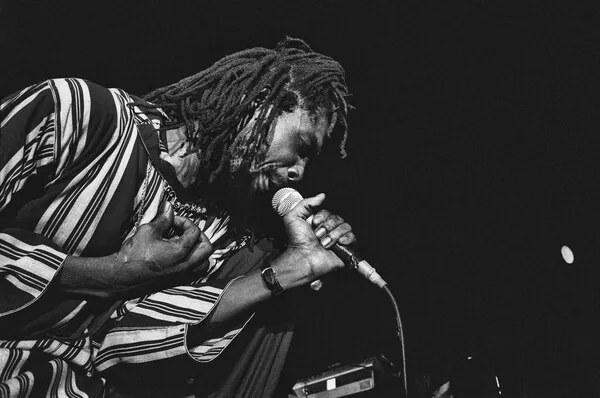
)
(285, 200)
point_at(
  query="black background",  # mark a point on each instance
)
(473, 159)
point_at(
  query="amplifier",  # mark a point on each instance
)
(370, 378)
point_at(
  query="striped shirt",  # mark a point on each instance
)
(79, 168)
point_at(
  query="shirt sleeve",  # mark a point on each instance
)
(43, 132)
(28, 261)
(159, 326)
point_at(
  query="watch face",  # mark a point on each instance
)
(270, 280)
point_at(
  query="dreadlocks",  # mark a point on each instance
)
(258, 83)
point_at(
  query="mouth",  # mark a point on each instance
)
(267, 179)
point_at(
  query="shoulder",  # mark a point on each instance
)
(91, 103)
(77, 91)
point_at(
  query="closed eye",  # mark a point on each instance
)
(308, 147)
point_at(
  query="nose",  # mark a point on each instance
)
(296, 172)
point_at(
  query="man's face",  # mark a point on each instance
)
(297, 137)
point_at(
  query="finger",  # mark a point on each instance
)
(190, 232)
(319, 217)
(347, 239)
(332, 222)
(328, 225)
(306, 207)
(164, 219)
(203, 250)
(334, 235)
(199, 256)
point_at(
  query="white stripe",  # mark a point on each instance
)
(37, 268)
(199, 305)
(26, 345)
(14, 387)
(144, 337)
(90, 227)
(9, 173)
(212, 348)
(155, 201)
(150, 313)
(89, 194)
(47, 141)
(70, 103)
(27, 247)
(13, 99)
(87, 101)
(43, 270)
(22, 105)
(58, 349)
(59, 375)
(125, 308)
(217, 229)
(201, 352)
(220, 342)
(16, 364)
(215, 261)
(71, 315)
(192, 289)
(72, 382)
(21, 286)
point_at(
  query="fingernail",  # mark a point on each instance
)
(166, 206)
(320, 232)
(316, 285)
(326, 242)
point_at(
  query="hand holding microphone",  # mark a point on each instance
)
(333, 232)
(303, 245)
(298, 218)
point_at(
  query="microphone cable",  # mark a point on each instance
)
(400, 335)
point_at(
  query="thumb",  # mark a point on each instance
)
(164, 219)
(307, 207)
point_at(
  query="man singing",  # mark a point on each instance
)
(121, 218)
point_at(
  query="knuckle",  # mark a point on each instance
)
(336, 224)
(193, 227)
(180, 251)
(320, 217)
(207, 246)
(335, 234)
(329, 224)
(335, 220)
(144, 229)
(324, 213)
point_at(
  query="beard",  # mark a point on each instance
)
(247, 200)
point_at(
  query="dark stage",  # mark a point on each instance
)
(473, 158)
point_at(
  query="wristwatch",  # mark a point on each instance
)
(270, 279)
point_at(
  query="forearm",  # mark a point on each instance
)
(291, 269)
(106, 277)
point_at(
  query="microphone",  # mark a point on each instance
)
(286, 199)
